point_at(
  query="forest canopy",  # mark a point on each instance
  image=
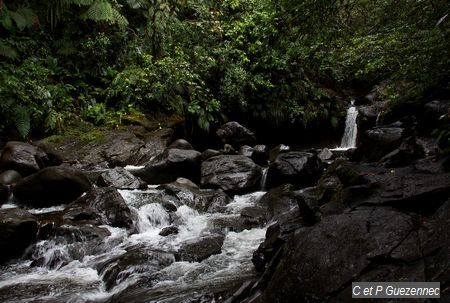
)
(209, 61)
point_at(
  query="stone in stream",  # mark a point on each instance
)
(209, 153)
(260, 154)
(169, 230)
(51, 186)
(231, 173)
(170, 165)
(102, 206)
(180, 144)
(120, 178)
(369, 243)
(22, 157)
(18, 229)
(199, 249)
(235, 134)
(10, 177)
(298, 168)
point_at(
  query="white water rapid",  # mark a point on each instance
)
(139, 265)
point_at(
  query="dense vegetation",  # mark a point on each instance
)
(280, 62)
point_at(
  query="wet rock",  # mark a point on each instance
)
(246, 150)
(4, 193)
(405, 154)
(22, 157)
(51, 186)
(274, 152)
(322, 259)
(103, 206)
(260, 155)
(170, 165)
(235, 134)
(155, 143)
(169, 230)
(201, 200)
(297, 168)
(209, 153)
(120, 178)
(378, 142)
(228, 150)
(325, 154)
(235, 223)
(232, 173)
(18, 229)
(200, 249)
(181, 144)
(118, 269)
(10, 177)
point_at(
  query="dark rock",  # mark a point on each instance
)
(200, 249)
(22, 157)
(406, 153)
(321, 260)
(169, 230)
(120, 178)
(246, 150)
(274, 152)
(4, 193)
(297, 168)
(52, 156)
(18, 229)
(369, 115)
(228, 150)
(181, 144)
(114, 148)
(10, 177)
(232, 173)
(380, 141)
(209, 153)
(434, 111)
(260, 155)
(232, 223)
(170, 165)
(201, 200)
(116, 270)
(51, 186)
(235, 134)
(325, 154)
(103, 206)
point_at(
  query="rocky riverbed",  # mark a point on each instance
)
(143, 217)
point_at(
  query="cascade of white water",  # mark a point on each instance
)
(351, 128)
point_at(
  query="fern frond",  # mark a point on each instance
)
(22, 120)
(7, 51)
(100, 10)
(136, 4)
(119, 19)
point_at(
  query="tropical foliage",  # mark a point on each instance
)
(276, 62)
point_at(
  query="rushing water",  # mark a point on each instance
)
(141, 264)
(351, 129)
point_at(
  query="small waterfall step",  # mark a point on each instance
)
(351, 129)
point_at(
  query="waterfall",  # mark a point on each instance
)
(351, 128)
(262, 185)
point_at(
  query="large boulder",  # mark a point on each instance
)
(51, 186)
(260, 154)
(111, 148)
(298, 168)
(368, 244)
(22, 157)
(200, 199)
(103, 205)
(434, 111)
(170, 165)
(18, 229)
(232, 173)
(120, 178)
(235, 134)
(378, 142)
(180, 144)
(199, 249)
